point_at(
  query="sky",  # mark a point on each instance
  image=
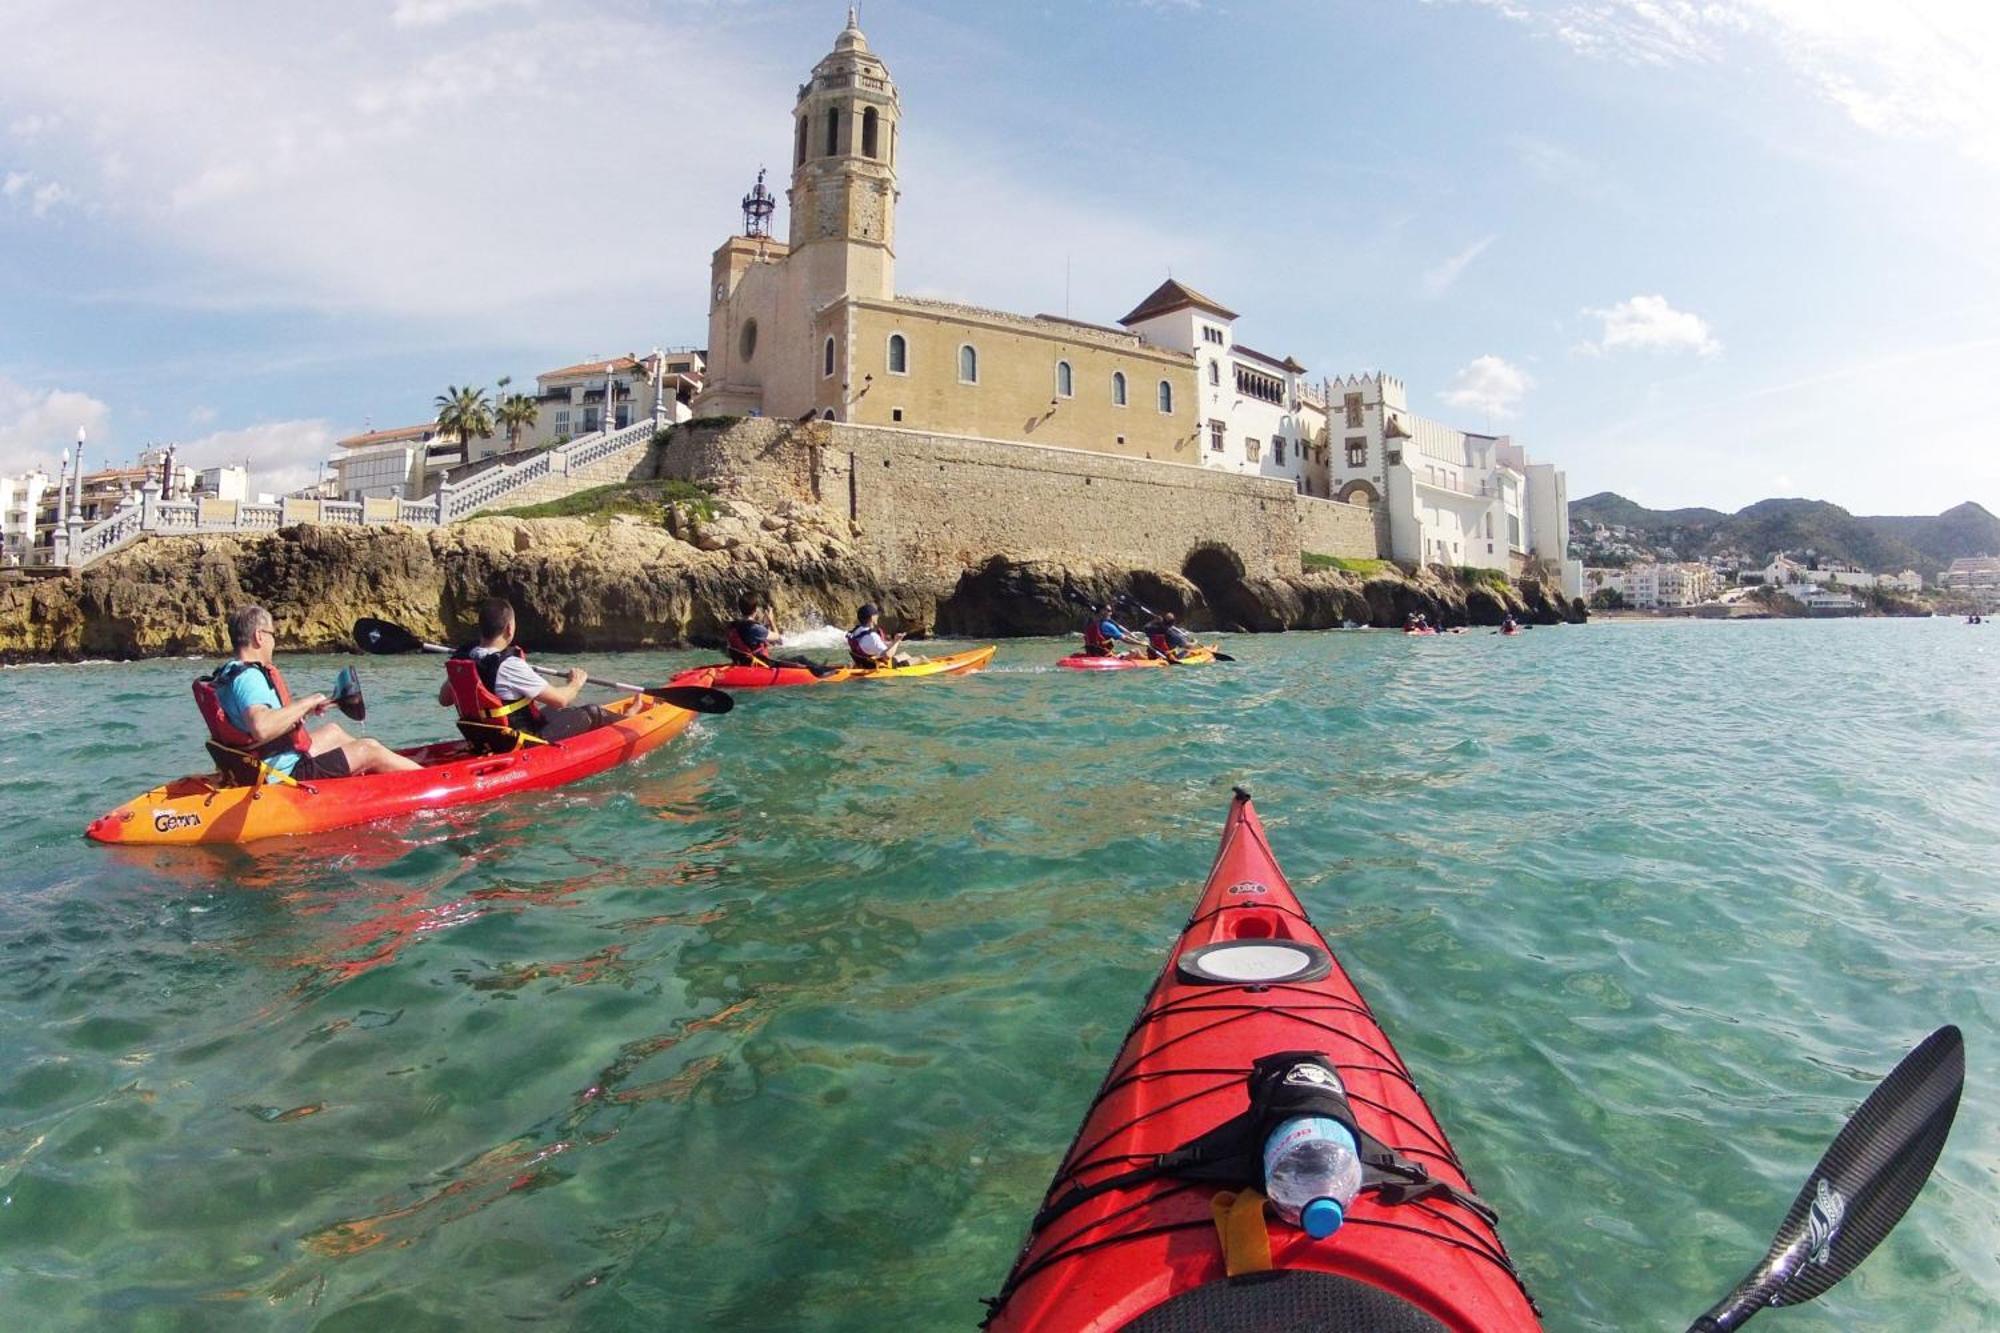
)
(1696, 253)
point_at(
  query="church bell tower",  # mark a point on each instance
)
(845, 135)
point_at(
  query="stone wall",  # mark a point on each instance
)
(1354, 532)
(927, 506)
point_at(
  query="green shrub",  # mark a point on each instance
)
(1345, 564)
(658, 502)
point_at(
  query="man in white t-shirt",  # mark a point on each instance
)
(868, 648)
(552, 712)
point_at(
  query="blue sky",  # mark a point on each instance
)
(1698, 253)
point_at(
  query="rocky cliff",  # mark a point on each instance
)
(616, 581)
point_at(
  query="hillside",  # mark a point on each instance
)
(1610, 529)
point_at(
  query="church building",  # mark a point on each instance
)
(812, 328)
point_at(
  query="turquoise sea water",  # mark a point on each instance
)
(786, 1025)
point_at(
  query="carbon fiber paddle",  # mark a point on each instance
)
(1861, 1188)
(385, 638)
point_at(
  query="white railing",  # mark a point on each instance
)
(147, 513)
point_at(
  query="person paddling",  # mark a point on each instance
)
(865, 644)
(502, 692)
(1167, 638)
(250, 713)
(749, 640)
(1103, 634)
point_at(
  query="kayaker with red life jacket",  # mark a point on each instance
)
(251, 714)
(1167, 638)
(1102, 634)
(749, 640)
(502, 691)
(865, 644)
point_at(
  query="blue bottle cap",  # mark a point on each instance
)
(1322, 1217)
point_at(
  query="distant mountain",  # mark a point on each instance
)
(1609, 528)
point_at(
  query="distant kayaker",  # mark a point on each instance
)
(250, 711)
(749, 639)
(865, 644)
(1103, 634)
(503, 691)
(1167, 638)
(1508, 624)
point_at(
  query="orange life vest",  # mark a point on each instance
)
(208, 698)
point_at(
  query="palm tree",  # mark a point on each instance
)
(517, 413)
(465, 413)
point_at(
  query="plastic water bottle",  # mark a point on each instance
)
(1312, 1173)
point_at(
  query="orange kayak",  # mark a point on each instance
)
(200, 809)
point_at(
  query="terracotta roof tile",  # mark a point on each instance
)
(1170, 296)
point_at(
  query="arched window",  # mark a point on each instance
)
(968, 364)
(868, 132)
(899, 354)
(1166, 397)
(826, 359)
(833, 132)
(746, 342)
(799, 153)
(1065, 380)
(1215, 372)
(1118, 388)
(827, 415)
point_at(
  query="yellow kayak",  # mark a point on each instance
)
(728, 676)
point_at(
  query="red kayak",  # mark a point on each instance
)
(1119, 1245)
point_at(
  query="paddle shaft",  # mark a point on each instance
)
(618, 685)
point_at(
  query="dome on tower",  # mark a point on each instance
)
(850, 38)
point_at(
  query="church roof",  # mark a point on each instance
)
(1170, 296)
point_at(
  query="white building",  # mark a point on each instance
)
(1258, 415)
(1453, 497)
(1972, 572)
(580, 400)
(223, 483)
(1817, 598)
(402, 463)
(20, 505)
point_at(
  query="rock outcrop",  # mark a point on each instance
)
(620, 582)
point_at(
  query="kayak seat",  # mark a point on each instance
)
(1295, 1300)
(239, 768)
(495, 737)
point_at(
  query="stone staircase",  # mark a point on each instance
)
(593, 460)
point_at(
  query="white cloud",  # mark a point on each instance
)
(41, 195)
(1489, 385)
(31, 127)
(36, 425)
(1438, 281)
(324, 158)
(429, 13)
(1650, 323)
(282, 456)
(1920, 68)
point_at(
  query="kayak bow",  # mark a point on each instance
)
(1249, 977)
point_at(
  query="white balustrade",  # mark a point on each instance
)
(482, 490)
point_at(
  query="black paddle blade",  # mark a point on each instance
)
(1862, 1187)
(347, 693)
(694, 698)
(384, 637)
(1224, 657)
